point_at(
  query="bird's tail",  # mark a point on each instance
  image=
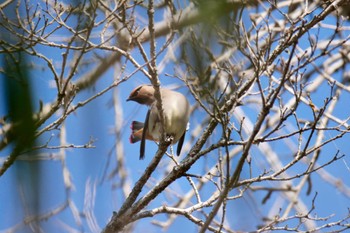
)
(136, 131)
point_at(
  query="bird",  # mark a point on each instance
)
(176, 109)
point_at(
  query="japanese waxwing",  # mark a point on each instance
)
(176, 116)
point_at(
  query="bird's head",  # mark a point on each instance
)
(143, 94)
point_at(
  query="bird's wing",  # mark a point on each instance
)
(143, 139)
(180, 143)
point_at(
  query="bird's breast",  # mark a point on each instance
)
(176, 116)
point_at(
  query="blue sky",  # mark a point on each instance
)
(40, 185)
